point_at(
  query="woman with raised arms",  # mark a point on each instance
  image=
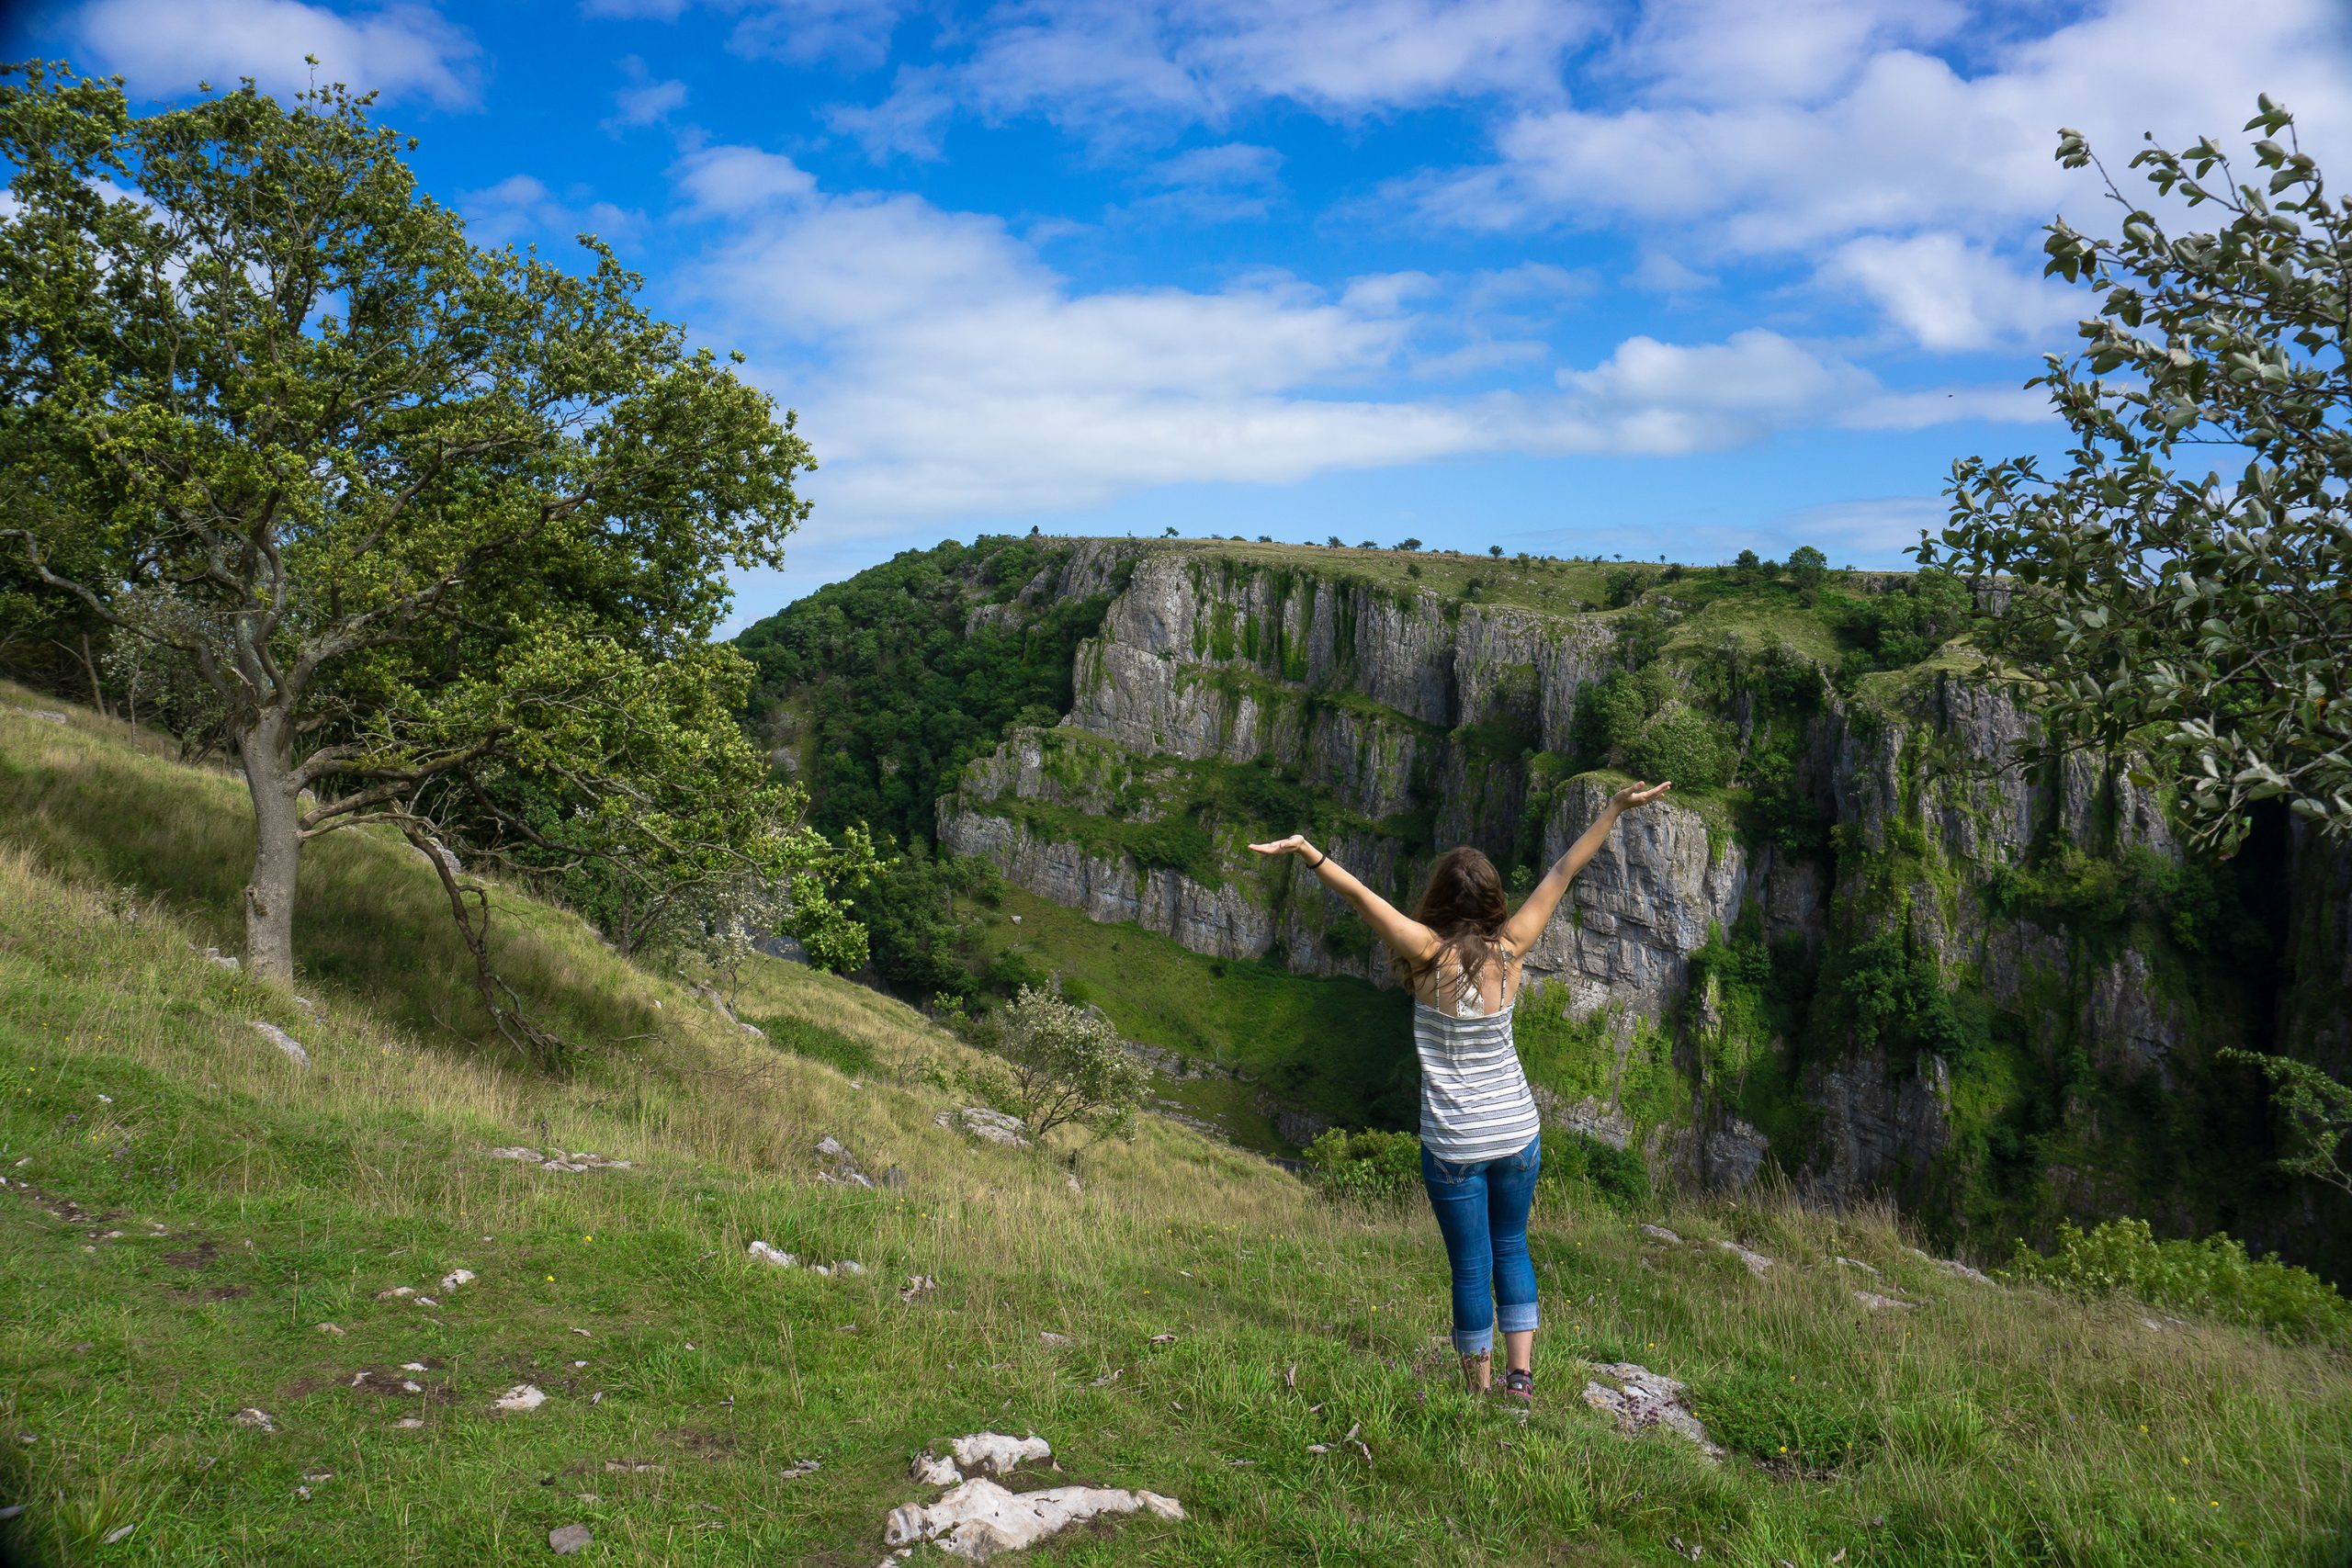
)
(1460, 955)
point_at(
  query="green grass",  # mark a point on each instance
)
(1341, 1048)
(1992, 1426)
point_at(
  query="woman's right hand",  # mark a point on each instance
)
(1638, 794)
(1296, 844)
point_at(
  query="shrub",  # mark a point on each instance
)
(1365, 1168)
(1066, 1064)
(2213, 1276)
(1385, 1168)
(1681, 743)
(1618, 1175)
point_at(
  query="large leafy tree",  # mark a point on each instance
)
(2202, 617)
(445, 530)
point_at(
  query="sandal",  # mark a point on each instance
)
(1519, 1384)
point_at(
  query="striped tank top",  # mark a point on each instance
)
(1475, 1099)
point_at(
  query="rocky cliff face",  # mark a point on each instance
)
(1925, 998)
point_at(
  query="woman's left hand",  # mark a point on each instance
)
(1296, 844)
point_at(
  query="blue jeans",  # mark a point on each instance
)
(1482, 1212)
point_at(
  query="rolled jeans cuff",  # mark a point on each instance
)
(1515, 1317)
(1474, 1341)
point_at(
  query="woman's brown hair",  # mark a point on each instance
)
(1462, 902)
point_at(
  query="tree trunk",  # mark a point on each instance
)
(266, 752)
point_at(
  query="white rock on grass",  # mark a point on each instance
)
(1757, 1263)
(1877, 1303)
(1660, 1233)
(995, 1453)
(522, 1397)
(830, 1147)
(1857, 1263)
(563, 1542)
(917, 1285)
(1640, 1398)
(761, 1252)
(284, 1042)
(979, 1519)
(1952, 1265)
(989, 1126)
(558, 1159)
(457, 1278)
(257, 1419)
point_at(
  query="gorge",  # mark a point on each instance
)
(1859, 945)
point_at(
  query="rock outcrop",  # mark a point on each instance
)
(1999, 995)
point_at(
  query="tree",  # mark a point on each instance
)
(2202, 622)
(2318, 1112)
(1171, 531)
(442, 530)
(1408, 544)
(1333, 542)
(1807, 567)
(1067, 1064)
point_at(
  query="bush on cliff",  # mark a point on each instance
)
(2211, 1275)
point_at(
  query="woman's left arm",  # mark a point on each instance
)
(1405, 935)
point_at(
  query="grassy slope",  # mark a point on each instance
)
(1994, 1425)
(1336, 1047)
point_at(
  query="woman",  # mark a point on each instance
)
(1459, 953)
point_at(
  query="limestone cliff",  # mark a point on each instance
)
(1870, 952)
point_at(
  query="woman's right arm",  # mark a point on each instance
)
(1527, 923)
(1404, 934)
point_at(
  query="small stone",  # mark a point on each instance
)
(426, 1301)
(457, 1278)
(849, 1266)
(395, 1291)
(568, 1539)
(830, 1147)
(122, 1534)
(917, 1285)
(410, 1385)
(330, 1328)
(761, 1252)
(10, 1512)
(303, 1493)
(1757, 1263)
(820, 1270)
(1163, 1339)
(799, 1468)
(257, 1419)
(315, 1476)
(1071, 1177)
(284, 1042)
(1050, 1338)
(1857, 1263)
(414, 1366)
(522, 1397)
(1877, 1303)
(1660, 1233)
(408, 1423)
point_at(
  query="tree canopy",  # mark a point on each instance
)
(2204, 619)
(442, 530)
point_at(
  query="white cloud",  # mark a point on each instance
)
(942, 369)
(1889, 140)
(1659, 273)
(1115, 66)
(910, 122)
(732, 179)
(164, 47)
(645, 100)
(521, 208)
(1948, 294)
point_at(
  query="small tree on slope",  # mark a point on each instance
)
(2208, 619)
(424, 518)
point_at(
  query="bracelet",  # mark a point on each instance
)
(1318, 864)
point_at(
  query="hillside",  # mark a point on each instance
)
(1856, 945)
(187, 1207)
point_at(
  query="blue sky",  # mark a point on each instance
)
(1570, 275)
